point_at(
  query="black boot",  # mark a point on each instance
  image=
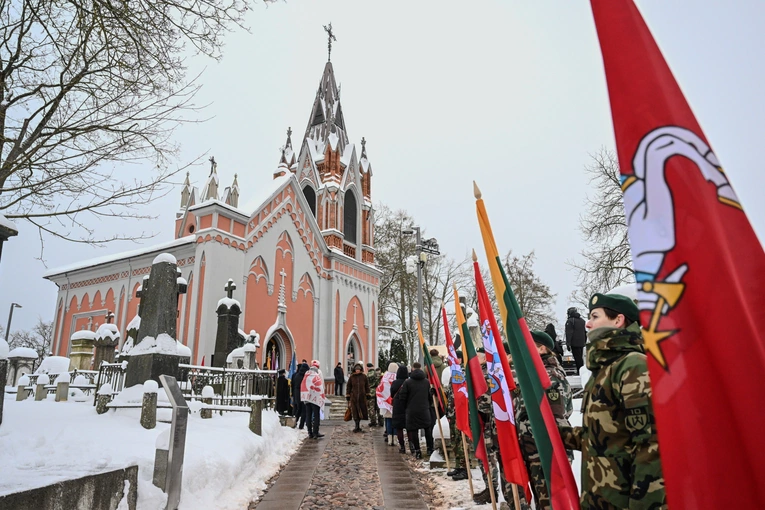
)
(452, 472)
(418, 454)
(482, 497)
(461, 474)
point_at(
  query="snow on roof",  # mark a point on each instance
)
(229, 302)
(53, 365)
(23, 352)
(164, 257)
(345, 159)
(84, 334)
(119, 256)
(3, 349)
(220, 203)
(250, 347)
(333, 139)
(181, 281)
(266, 193)
(236, 353)
(135, 323)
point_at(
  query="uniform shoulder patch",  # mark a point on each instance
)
(637, 419)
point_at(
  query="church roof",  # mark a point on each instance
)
(120, 256)
(326, 123)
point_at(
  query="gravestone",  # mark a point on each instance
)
(81, 355)
(107, 338)
(155, 352)
(227, 336)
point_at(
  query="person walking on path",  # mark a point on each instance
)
(298, 408)
(356, 395)
(398, 418)
(282, 393)
(384, 400)
(374, 380)
(576, 336)
(621, 465)
(312, 395)
(415, 392)
(339, 379)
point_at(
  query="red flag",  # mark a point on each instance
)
(458, 382)
(501, 382)
(699, 268)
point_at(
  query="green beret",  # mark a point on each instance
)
(543, 338)
(618, 303)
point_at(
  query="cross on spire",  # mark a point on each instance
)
(330, 37)
(230, 288)
(213, 164)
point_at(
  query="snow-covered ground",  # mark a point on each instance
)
(226, 465)
(457, 494)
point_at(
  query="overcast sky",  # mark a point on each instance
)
(511, 94)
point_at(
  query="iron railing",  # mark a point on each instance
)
(232, 386)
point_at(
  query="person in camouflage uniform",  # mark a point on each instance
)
(486, 410)
(559, 397)
(621, 467)
(455, 435)
(374, 380)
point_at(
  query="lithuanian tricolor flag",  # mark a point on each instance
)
(532, 377)
(476, 384)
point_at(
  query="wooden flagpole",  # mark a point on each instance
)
(441, 429)
(467, 464)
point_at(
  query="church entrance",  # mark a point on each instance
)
(352, 354)
(274, 353)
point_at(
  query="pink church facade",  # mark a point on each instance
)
(302, 260)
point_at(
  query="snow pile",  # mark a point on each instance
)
(164, 257)
(236, 353)
(228, 303)
(43, 379)
(182, 350)
(226, 466)
(163, 344)
(108, 331)
(84, 334)
(4, 349)
(53, 365)
(5, 222)
(134, 324)
(23, 352)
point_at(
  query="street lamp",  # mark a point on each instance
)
(422, 248)
(10, 316)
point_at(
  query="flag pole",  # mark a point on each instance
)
(491, 482)
(441, 430)
(516, 498)
(467, 465)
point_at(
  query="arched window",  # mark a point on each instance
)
(349, 217)
(310, 196)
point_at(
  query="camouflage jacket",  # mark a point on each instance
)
(559, 392)
(621, 468)
(374, 380)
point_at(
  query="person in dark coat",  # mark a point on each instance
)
(558, 349)
(282, 394)
(339, 379)
(576, 336)
(298, 409)
(356, 395)
(416, 393)
(399, 406)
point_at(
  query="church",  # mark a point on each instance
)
(303, 261)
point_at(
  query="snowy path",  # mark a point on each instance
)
(344, 470)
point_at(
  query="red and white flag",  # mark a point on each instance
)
(700, 271)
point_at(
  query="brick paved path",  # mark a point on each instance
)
(344, 470)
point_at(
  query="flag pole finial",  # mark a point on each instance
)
(476, 191)
(454, 286)
(475, 257)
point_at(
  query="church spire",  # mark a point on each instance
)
(185, 192)
(327, 115)
(287, 158)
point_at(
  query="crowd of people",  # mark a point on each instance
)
(620, 457)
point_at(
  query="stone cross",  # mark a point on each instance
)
(354, 315)
(109, 316)
(230, 288)
(90, 323)
(281, 287)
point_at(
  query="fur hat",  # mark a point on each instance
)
(315, 363)
(393, 367)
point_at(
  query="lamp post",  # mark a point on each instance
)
(422, 248)
(10, 317)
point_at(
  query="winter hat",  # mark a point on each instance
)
(315, 363)
(358, 366)
(618, 303)
(281, 371)
(369, 365)
(393, 367)
(543, 338)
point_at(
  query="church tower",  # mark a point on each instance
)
(335, 181)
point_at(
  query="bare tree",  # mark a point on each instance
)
(606, 262)
(39, 338)
(534, 296)
(89, 85)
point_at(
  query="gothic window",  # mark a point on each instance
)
(310, 196)
(349, 217)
